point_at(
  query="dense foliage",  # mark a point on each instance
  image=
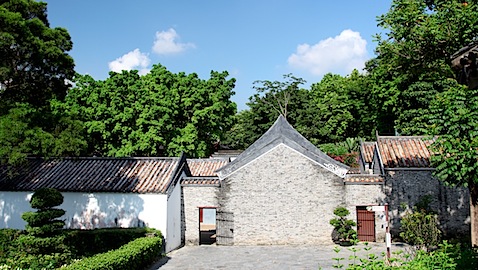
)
(86, 243)
(413, 59)
(333, 110)
(80, 243)
(34, 68)
(420, 226)
(160, 113)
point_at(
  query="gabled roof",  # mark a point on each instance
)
(205, 166)
(281, 132)
(134, 175)
(203, 171)
(367, 150)
(404, 151)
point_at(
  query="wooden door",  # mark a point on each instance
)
(365, 224)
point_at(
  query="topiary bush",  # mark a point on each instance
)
(44, 221)
(343, 226)
(44, 244)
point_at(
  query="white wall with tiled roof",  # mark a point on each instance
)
(105, 210)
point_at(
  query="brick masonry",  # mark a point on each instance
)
(452, 204)
(282, 198)
(193, 198)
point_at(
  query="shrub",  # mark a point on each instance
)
(43, 246)
(85, 243)
(137, 254)
(446, 256)
(45, 198)
(342, 225)
(44, 221)
(420, 226)
(8, 245)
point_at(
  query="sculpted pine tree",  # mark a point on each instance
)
(44, 226)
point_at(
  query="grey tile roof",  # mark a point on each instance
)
(135, 175)
(206, 166)
(281, 132)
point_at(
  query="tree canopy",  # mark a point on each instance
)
(413, 58)
(160, 113)
(34, 62)
(35, 68)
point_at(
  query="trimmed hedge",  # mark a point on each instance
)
(8, 238)
(137, 254)
(86, 243)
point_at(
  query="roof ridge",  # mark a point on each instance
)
(102, 158)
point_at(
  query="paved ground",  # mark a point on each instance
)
(262, 257)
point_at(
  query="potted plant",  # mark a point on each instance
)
(343, 227)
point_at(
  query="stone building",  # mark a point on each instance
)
(283, 190)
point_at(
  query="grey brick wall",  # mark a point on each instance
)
(194, 197)
(282, 198)
(451, 203)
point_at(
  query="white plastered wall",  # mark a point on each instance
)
(93, 210)
(173, 228)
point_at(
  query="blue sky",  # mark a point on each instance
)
(251, 39)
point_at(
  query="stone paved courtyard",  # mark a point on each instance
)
(262, 257)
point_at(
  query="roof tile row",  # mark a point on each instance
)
(404, 152)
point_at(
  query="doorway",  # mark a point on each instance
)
(365, 224)
(207, 225)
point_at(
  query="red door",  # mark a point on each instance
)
(365, 224)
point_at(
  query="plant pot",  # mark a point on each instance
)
(345, 243)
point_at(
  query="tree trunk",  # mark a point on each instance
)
(474, 212)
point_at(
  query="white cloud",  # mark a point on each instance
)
(166, 42)
(340, 54)
(132, 60)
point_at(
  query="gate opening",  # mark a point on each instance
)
(207, 225)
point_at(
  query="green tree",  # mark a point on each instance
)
(454, 120)
(342, 108)
(34, 63)
(44, 242)
(160, 113)
(413, 59)
(34, 69)
(272, 99)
